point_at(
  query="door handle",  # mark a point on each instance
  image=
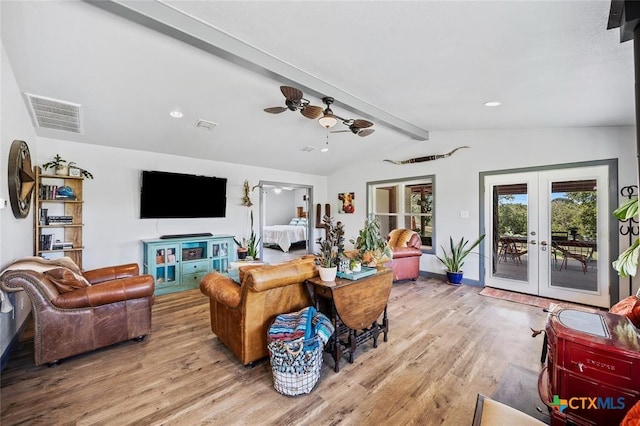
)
(532, 242)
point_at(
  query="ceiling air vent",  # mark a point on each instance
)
(51, 113)
(209, 125)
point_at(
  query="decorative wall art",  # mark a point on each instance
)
(21, 179)
(346, 202)
(427, 158)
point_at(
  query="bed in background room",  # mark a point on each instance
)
(285, 235)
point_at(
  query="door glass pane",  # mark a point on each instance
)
(510, 207)
(574, 231)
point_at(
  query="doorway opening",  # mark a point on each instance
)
(550, 232)
(286, 220)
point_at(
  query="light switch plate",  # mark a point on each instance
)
(464, 214)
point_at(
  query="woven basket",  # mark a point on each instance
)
(295, 369)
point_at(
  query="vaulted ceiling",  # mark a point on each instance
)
(426, 65)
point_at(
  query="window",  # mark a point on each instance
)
(404, 203)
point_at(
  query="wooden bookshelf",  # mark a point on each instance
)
(46, 184)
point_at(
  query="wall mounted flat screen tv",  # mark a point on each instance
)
(167, 195)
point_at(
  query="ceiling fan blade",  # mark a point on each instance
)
(365, 132)
(275, 110)
(291, 93)
(311, 111)
(361, 124)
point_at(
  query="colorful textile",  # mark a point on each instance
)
(296, 325)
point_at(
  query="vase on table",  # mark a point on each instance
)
(328, 274)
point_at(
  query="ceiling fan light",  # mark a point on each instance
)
(327, 121)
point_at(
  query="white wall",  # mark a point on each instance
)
(16, 235)
(113, 231)
(280, 208)
(457, 177)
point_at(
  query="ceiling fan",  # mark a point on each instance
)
(295, 101)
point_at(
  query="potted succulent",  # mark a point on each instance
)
(63, 168)
(243, 248)
(373, 249)
(248, 247)
(454, 260)
(59, 165)
(331, 248)
(74, 170)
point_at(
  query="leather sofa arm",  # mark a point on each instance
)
(401, 252)
(107, 292)
(415, 241)
(109, 273)
(222, 289)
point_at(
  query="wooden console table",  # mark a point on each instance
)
(354, 307)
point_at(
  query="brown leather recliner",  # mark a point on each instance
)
(405, 262)
(242, 313)
(72, 318)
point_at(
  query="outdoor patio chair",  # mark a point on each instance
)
(580, 251)
(511, 248)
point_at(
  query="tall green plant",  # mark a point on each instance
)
(370, 241)
(454, 260)
(627, 263)
(251, 243)
(332, 247)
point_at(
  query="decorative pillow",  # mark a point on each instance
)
(65, 280)
(294, 221)
(302, 221)
(629, 306)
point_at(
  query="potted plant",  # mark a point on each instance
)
(243, 248)
(63, 168)
(454, 260)
(248, 247)
(373, 249)
(627, 263)
(74, 170)
(331, 248)
(59, 165)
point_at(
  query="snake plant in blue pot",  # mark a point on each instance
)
(454, 259)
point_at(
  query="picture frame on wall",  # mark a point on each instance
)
(347, 202)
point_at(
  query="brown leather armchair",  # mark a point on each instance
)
(242, 313)
(71, 317)
(405, 262)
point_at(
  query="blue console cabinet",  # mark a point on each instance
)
(179, 264)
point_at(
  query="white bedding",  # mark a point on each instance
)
(284, 235)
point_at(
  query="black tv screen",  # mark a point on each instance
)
(174, 195)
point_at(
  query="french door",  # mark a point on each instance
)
(546, 234)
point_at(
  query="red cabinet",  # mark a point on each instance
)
(593, 366)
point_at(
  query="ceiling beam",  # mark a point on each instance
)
(170, 21)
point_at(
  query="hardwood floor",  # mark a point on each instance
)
(446, 344)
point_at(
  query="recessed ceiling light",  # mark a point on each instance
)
(492, 103)
(176, 114)
(325, 149)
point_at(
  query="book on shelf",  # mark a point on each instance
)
(46, 241)
(61, 245)
(59, 220)
(42, 216)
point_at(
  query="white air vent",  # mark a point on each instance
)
(51, 113)
(209, 125)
